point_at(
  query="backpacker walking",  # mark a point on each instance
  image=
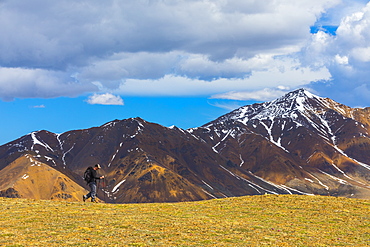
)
(90, 177)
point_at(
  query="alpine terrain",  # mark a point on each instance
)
(297, 144)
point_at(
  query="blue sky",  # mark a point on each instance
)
(71, 65)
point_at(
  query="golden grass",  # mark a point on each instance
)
(244, 221)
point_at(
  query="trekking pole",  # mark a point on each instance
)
(105, 187)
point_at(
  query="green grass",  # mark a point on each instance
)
(245, 221)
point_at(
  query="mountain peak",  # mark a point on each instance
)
(298, 96)
(299, 100)
(287, 106)
(300, 93)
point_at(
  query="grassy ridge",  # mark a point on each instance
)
(245, 221)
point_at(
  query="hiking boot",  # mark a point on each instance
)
(84, 198)
(93, 200)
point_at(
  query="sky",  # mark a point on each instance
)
(67, 65)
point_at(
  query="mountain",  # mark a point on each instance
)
(26, 177)
(143, 162)
(303, 142)
(297, 144)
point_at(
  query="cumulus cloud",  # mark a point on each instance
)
(38, 83)
(285, 72)
(105, 99)
(76, 32)
(347, 57)
(67, 48)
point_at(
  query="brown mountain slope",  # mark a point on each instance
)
(164, 164)
(324, 149)
(29, 178)
(156, 163)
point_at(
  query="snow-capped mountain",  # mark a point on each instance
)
(297, 109)
(321, 143)
(299, 143)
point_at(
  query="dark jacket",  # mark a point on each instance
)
(93, 175)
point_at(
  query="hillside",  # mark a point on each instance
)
(29, 178)
(299, 143)
(268, 220)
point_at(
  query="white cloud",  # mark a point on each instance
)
(347, 57)
(333, 15)
(38, 83)
(285, 72)
(105, 99)
(227, 106)
(66, 33)
(353, 35)
(361, 54)
(38, 106)
(152, 66)
(341, 60)
(67, 48)
(265, 94)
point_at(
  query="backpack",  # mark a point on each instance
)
(87, 174)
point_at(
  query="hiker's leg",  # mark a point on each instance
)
(93, 191)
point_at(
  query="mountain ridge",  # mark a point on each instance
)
(299, 143)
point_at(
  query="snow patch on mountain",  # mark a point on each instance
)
(38, 142)
(114, 155)
(297, 109)
(115, 188)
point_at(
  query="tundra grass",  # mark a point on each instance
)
(268, 220)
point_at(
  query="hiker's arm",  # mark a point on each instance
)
(95, 175)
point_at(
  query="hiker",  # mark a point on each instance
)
(91, 176)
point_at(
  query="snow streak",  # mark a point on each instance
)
(38, 142)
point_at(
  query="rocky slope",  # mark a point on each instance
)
(304, 142)
(28, 178)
